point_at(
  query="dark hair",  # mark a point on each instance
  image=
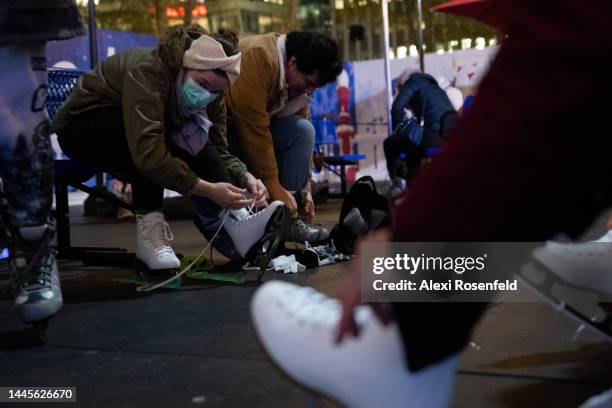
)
(314, 52)
(228, 40)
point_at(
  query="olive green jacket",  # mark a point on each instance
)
(143, 82)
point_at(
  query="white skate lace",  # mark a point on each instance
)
(38, 272)
(251, 210)
(159, 234)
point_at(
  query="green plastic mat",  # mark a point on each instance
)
(201, 271)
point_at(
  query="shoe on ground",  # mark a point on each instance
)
(301, 231)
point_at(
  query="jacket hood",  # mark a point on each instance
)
(174, 42)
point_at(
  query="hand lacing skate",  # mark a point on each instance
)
(250, 211)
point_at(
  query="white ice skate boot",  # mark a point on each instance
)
(38, 292)
(256, 234)
(585, 265)
(153, 243)
(297, 325)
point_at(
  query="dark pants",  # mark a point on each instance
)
(399, 143)
(524, 163)
(98, 137)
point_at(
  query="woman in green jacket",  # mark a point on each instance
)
(156, 118)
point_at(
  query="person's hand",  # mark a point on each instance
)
(277, 192)
(256, 188)
(226, 195)
(349, 292)
(308, 213)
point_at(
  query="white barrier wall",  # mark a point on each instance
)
(465, 67)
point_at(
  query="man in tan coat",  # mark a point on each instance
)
(268, 115)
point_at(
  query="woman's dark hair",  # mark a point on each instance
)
(314, 52)
(228, 40)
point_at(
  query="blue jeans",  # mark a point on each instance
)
(293, 138)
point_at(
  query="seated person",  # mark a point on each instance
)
(156, 117)
(430, 105)
(268, 116)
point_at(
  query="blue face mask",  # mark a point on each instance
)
(194, 96)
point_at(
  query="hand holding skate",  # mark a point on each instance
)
(278, 192)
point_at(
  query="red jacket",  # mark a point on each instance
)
(529, 159)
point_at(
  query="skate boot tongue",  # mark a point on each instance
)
(32, 261)
(241, 214)
(156, 230)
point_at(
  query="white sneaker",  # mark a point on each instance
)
(247, 229)
(297, 326)
(153, 242)
(585, 265)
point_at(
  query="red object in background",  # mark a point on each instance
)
(344, 129)
(344, 95)
(175, 12)
(345, 132)
(199, 11)
(485, 11)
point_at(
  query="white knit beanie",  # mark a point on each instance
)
(207, 54)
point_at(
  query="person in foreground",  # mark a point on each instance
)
(513, 170)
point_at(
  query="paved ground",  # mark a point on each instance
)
(196, 346)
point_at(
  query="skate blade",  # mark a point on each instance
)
(543, 284)
(41, 330)
(264, 250)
